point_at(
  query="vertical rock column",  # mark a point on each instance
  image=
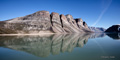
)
(85, 24)
(56, 23)
(72, 23)
(79, 22)
(82, 25)
(66, 25)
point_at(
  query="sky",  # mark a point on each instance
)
(97, 13)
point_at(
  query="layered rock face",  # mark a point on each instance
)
(44, 22)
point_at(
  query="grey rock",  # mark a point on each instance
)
(67, 25)
(72, 23)
(44, 22)
(85, 24)
(79, 22)
(97, 29)
(56, 23)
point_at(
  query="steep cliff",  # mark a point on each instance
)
(44, 22)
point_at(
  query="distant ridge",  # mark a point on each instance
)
(97, 29)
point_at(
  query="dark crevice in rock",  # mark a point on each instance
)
(76, 20)
(61, 21)
(51, 20)
(51, 30)
(84, 23)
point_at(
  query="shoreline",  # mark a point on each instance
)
(42, 34)
(39, 34)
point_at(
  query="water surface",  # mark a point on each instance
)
(98, 46)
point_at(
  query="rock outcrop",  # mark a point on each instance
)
(57, 25)
(114, 29)
(44, 22)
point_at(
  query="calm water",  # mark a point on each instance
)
(61, 47)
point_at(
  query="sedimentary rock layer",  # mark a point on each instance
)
(44, 22)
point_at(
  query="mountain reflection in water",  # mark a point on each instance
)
(115, 36)
(43, 46)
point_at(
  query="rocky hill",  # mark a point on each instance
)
(97, 29)
(43, 22)
(114, 28)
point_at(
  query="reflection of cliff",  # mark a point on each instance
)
(43, 46)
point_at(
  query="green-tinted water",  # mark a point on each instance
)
(61, 47)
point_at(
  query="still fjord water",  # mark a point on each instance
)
(97, 46)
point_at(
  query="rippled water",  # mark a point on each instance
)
(97, 46)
